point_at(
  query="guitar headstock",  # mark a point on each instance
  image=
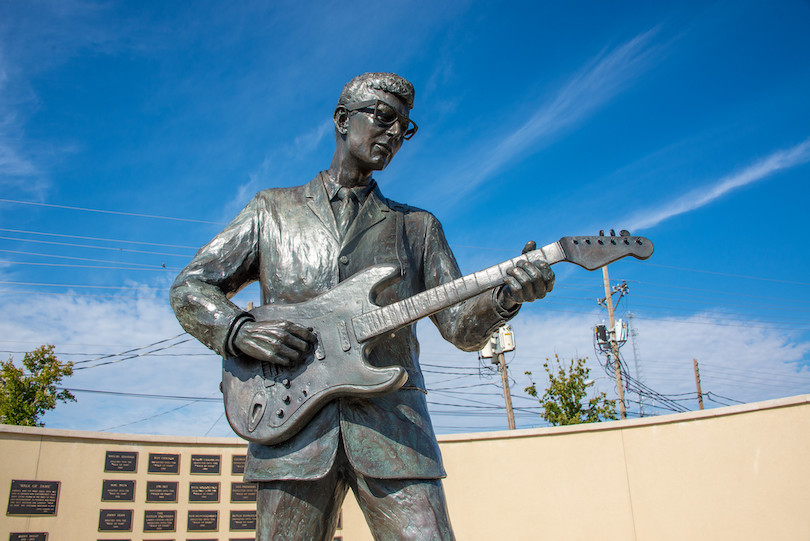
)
(593, 252)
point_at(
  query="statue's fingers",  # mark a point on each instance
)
(525, 290)
(304, 333)
(530, 246)
(536, 281)
(548, 275)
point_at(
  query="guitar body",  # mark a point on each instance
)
(268, 404)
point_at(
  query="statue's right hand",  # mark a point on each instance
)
(279, 342)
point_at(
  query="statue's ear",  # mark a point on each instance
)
(341, 118)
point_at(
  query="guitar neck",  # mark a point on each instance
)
(399, 314)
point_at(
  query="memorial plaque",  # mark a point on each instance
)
(33, 498)
(117, 491)
(238, 464)
(164, 463)
(203, 521)
(115, 520)
(39, 536)
(125, 461)
(161, 491)
(205, 463)
(243, 492)
(159, 521)
(203, 492)
(243, 520)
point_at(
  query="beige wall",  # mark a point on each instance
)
(730, 473)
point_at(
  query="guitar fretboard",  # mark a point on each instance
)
(404, 312)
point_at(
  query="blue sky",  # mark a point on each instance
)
(686, 123)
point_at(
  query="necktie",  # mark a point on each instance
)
(347, 210)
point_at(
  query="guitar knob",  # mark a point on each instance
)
(286, 383)
(280, 413)
(286, 399)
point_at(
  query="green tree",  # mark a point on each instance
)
(563, 399)
(26, 393)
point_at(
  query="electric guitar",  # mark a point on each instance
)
(267, 403)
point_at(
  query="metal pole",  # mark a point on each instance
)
(614, 345)
(510, 414)
(697, 381)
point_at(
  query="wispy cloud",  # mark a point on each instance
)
(280, 167)
(605, 76)
(778, 161)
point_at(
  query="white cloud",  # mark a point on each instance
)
(608, 74)
(280, 167)
(777, 161)
(745, 363)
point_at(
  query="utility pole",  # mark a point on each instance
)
(697, 381)
(510, 414)
(501, 341)
(633, 335)
(614, 345)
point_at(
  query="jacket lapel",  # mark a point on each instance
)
(373, 211)
(318, 202)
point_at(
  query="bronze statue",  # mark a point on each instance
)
(301, 243)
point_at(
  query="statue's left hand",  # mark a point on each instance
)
(526, 282)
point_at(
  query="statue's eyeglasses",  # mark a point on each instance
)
(385, 115)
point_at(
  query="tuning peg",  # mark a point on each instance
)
(601, 232)
(624, 233)
(612, 233)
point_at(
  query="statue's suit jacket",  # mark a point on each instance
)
(287, 239)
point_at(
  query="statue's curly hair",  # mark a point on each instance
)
(387, 82)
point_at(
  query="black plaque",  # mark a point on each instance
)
(159, 521)
(238, 464)
(33, 498)
(117, 491)
(243, 492)
(115, 520)
(205, 463)
(203, 521)
(39, 536)
(164, 463)
(203, 492)
(243, 520)
(161, 491)
(121, 461)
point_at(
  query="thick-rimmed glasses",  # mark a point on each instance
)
(385, 115)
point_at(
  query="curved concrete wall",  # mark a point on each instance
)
(732, 473)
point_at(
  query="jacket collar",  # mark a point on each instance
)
(373, 211)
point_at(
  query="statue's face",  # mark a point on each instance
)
(371, 144)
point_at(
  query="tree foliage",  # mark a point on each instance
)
(562, 400)
(28, 392)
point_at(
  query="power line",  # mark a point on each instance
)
(728, 274)
(72, 258)
(74, 245)
(65, 265)
(118, 213)
(142, 395)
(45, 284)
(97, 238)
